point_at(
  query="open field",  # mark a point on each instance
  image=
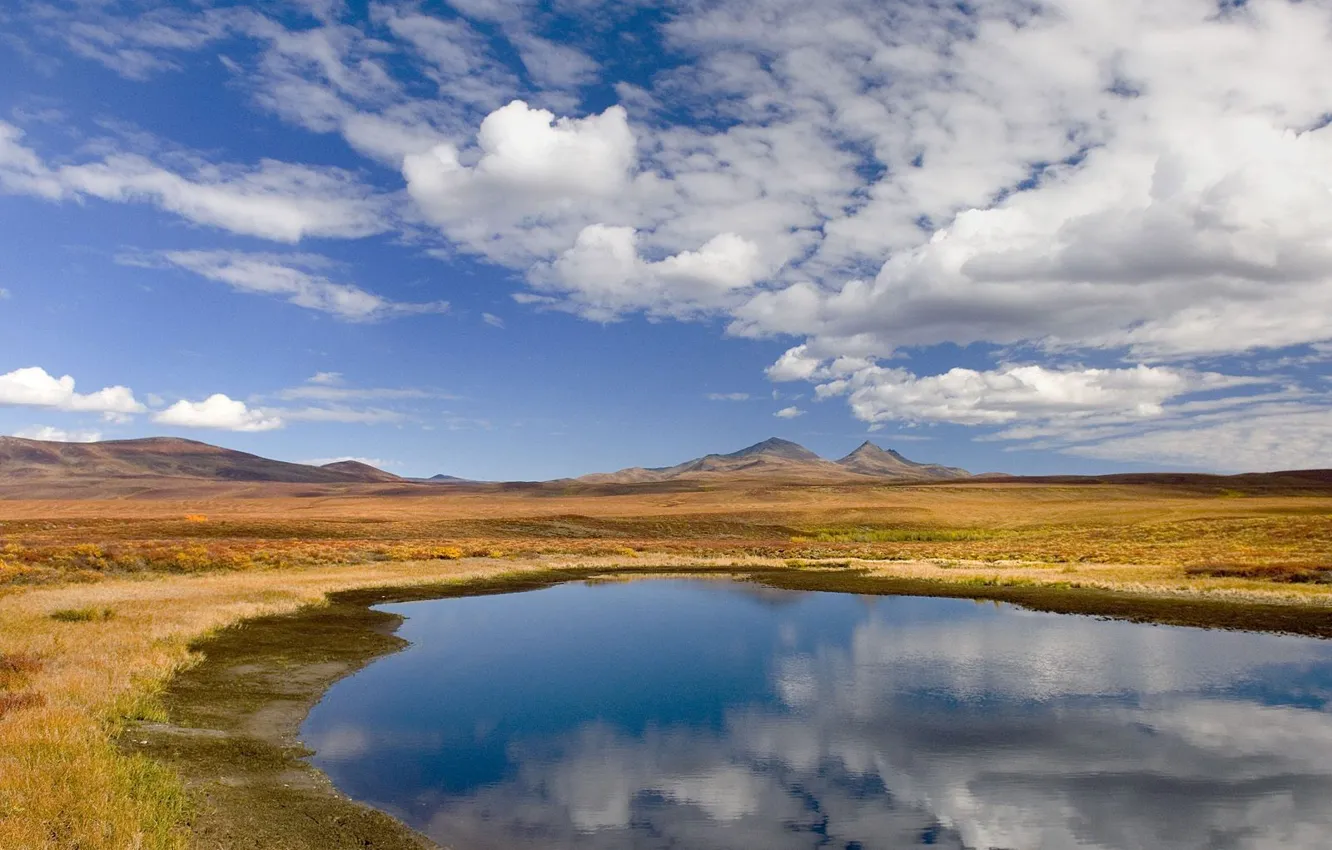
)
(1274, 537)
(101, 603)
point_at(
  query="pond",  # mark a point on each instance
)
(720, 714)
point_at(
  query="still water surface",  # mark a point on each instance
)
(716, 714)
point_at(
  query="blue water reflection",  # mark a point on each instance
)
(713, 714)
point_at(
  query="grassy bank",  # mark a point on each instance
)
(211, 745)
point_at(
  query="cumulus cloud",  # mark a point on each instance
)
(280, 201)
(293, 277)
(603, 275)
(32, 386)
(219, 412)
(789, 413)
(531, 174)
(58, 435)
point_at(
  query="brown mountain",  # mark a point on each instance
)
(870, 459)
(777, 458)
(38, 461)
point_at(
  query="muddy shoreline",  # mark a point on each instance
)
(233, 719)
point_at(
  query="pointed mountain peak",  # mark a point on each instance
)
(776, 446)
(869, 449)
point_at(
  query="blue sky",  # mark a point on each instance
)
(529, 240)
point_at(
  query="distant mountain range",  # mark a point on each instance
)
(170, 467)
(779, 458)
(38, 465)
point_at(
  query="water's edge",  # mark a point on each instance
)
(235, 717)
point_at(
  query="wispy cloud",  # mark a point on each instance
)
(58, 435)
(273, 200)
(293, 277)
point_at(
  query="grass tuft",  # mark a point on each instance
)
(83, 615)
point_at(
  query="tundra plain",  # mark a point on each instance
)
(108, 605)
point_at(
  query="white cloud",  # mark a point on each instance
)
(1258, 439)
(33, 387)
(604, 276)
(553, 65)
(291, 276)
(459, 58)
(1013, 393)
(325, 379)
(728, 396)
(332, 389)
(789, 413)
(343, 414)
(532, 172)
(492, 320)
(280, 201)
(1185, 220)
(220, 412)
(58, 435)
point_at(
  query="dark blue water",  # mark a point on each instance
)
(710, 714)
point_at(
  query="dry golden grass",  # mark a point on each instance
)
(1039, 523)
(99, 601)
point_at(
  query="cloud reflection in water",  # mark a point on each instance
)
(925, 722)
